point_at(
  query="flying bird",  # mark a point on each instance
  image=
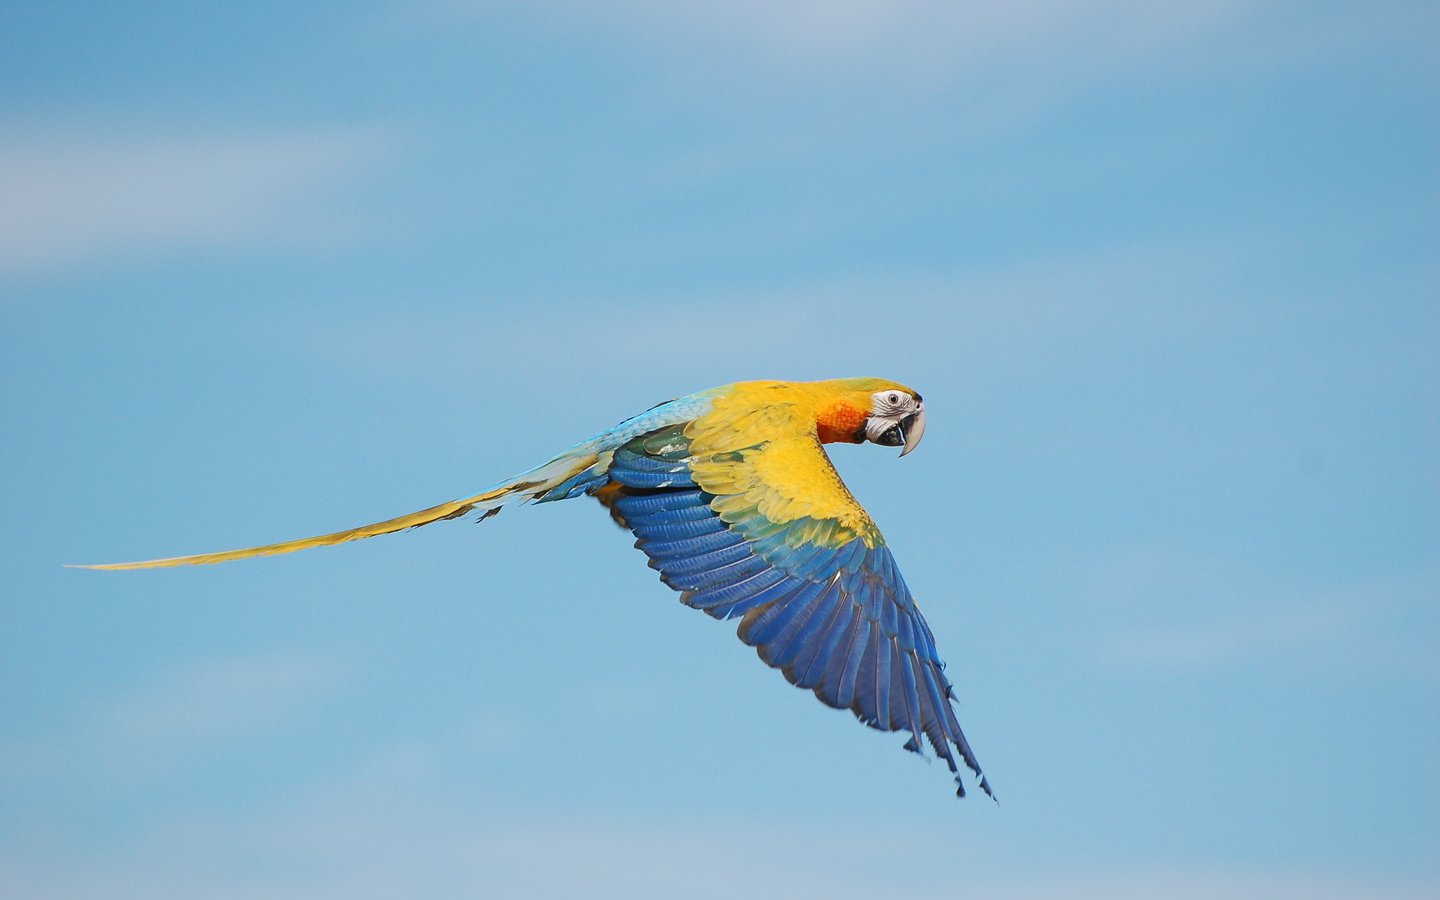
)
(731, 495)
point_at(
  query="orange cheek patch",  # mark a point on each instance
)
(841, 422)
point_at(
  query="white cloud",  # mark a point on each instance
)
(1144, 884)
(355, 845)
(1256, 634)
(1011, 313)
(68, 196)
(224, 699)
(137, 736)
(910, 41)
(1360, 628)
(960, 34)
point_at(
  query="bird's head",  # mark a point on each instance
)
(897, 419)
(871, 409)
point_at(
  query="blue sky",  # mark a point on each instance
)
(1167, 278)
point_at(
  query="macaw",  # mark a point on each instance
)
(731, 495)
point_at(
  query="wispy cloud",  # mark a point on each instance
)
(1142, 884)
(909, 41)
(359, 845)
(1234, 637)
(224, 698)
(136, 736)
(1362, 629)
(71, 195)
(1010, 312)
(957, 34)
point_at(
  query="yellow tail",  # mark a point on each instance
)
(529, 486)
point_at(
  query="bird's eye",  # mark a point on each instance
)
(894, 399)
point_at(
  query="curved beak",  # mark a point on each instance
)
(913, 429)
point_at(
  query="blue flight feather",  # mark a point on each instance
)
(838, 620)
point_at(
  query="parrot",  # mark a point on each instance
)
(730, 494)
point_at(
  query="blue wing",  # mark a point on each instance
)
(838, 621)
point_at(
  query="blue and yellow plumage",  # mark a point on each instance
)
(730, 494)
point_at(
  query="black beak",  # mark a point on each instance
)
(894, 436)
(905, 433)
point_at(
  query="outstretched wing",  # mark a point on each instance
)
(769, 533)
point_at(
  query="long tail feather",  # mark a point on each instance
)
(532, 485)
